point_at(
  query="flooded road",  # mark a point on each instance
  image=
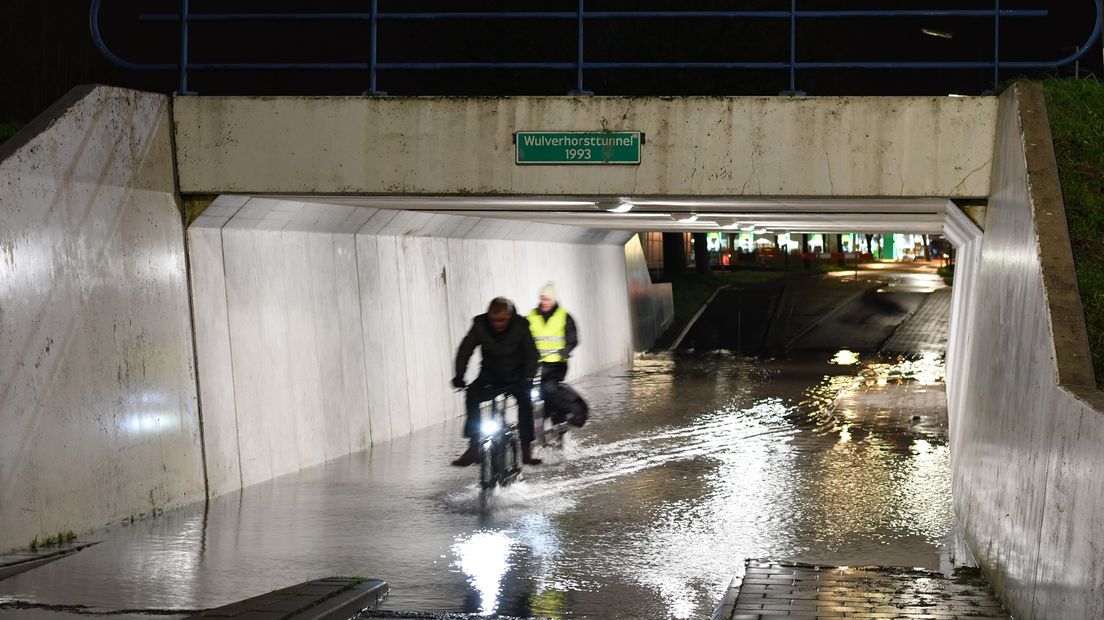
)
(688, 466)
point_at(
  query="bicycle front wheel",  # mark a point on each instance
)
(499, 462)
(486, 468)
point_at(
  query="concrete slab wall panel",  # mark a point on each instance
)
(97, 384)
(208, 275)
(652, 305)
(379, 333)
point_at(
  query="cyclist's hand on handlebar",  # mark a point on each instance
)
(458, 383)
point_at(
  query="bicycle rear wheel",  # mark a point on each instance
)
(512, 457)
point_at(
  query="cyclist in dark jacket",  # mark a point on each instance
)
(509, 363)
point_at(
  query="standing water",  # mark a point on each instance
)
(688, 466)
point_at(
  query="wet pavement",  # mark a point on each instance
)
(690, 465)
(860, 309)
(889, 296)
(791, 590)
(925, 331)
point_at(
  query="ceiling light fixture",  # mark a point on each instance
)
(689, 220)
(599, 216)
(494, 202)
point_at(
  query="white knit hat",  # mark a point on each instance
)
(549, 291)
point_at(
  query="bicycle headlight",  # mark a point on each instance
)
(489, 427)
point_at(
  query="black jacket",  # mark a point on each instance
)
(508, 357)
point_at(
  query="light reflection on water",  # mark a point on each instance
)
(689, 466)
(484, 558)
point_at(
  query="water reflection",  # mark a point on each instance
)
(484, 558)
(843, 357)
(926, 369)
(689, 465)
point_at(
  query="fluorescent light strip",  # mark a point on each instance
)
(501, 202)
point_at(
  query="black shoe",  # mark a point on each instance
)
(469, 457)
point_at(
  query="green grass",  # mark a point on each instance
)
(947, 273)
(691, 290)
(1076, 109)
(51, 541)
(8, 129)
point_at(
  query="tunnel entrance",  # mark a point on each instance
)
(339, 316)
(699, 462)
(397, 279)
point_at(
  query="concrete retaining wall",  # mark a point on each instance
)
(694, 146)
(652, 305)
(323, 329)
(1027, 433)
(98, 417)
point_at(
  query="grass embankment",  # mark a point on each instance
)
(8, 129)
(1076, 109)
(691, 290)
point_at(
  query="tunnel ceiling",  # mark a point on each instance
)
(843, 215)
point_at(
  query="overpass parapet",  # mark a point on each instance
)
(693, 146)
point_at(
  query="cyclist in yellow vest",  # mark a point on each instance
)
(556, 337)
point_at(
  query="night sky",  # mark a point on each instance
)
(48, 48)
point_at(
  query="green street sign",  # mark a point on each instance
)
(577, 147)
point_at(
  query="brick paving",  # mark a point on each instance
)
(772, 589)
(926, 330)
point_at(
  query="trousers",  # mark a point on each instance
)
(479, 393)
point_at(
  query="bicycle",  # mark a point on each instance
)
(499, 446)
(549, 432)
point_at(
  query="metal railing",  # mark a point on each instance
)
(581, 17)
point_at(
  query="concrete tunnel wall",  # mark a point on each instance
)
(1027, 432)
(98, 416)
(322, 329)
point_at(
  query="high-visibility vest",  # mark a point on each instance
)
(550, 336)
